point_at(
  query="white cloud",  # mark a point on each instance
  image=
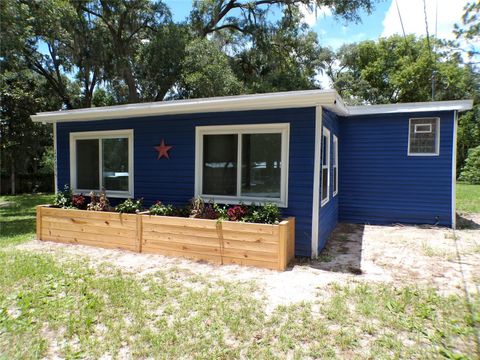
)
(310, 17)
(413, 17)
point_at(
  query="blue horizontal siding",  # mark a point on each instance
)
(172, 180)
(328, 213)
(381, 184)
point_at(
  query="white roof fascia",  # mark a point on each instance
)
(281, 100)
(459, 105)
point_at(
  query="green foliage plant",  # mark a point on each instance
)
(471, 171)
(130, 206)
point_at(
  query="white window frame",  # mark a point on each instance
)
(335, 164)
(201, 131)
(423, 131)
(437, 136)
(326, 134)
(99, 135)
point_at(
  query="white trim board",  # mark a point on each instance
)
(454, 171)
(328, 99)
(126, 133)
(280, 128)
(316, 180)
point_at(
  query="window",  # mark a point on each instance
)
(335, 165)
(325, 166)
(102, 160)
(424, 136)
(242, 163)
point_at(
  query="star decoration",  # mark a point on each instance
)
(163, 150)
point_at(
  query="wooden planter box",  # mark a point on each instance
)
(222, 242)
(103, 229)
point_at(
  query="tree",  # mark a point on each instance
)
(398, 69)
(128, 23)
(206, 72)
(471, 171)
(210, 16)
(22, 143)
(282, 57)
(469, 30)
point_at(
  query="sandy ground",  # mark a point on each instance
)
(398, 255)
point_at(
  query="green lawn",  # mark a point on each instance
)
(76, 309)
(468, 198)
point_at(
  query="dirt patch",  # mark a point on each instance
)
(397, 255)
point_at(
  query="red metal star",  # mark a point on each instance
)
(163, 150)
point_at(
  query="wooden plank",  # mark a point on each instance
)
(249, 262)
(72, 240)
(120, 232)
(184, 248)
(114, 224)
(248, 254)
(282, 246)
(180, 222)
(85, 214)
(190, 255)
(39, 222)
(91, 239)
(291, 239)
(248, 245)
(209, 233)
(151, 237)
(139, 234)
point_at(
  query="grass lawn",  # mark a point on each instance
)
(52, 306)
(468, 198)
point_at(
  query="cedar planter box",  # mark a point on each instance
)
(221, 242)
(97, 228)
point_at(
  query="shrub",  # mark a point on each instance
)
(471, 171)
(163, 210)
(63, 198)
(267, 213)
(130, 206)
(99, 202)
(79, 202)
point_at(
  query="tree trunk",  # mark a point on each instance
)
(12, 177)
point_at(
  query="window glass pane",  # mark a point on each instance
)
(87, 164)
(220, 164)
(324, 183)
(324, 150)
(261, 165)
(115, 164)
(423, 142)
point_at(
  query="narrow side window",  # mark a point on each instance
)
(335, 165)
(325, 166)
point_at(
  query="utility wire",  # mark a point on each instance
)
(429, 46)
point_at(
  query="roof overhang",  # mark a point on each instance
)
(328, 99)
(281, 100)
(458, 105)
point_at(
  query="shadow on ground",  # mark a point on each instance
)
(343, 252)
(468, 222)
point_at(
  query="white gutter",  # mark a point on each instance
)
(328, 99)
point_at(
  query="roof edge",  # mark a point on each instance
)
(328, 99)
(279, 100)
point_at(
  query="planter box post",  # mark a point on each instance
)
(139, 236)
(282, 245)
(39, 222)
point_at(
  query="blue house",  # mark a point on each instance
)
(319, 160)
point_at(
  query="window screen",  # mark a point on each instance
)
(424, 136)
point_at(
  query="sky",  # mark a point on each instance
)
(382, 22)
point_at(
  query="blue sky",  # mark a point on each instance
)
(384, 20)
